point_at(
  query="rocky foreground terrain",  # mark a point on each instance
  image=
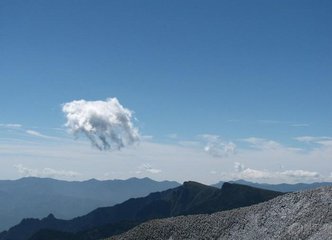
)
(300, 215)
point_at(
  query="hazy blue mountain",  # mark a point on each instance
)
(282, 187)
(190, 198)
(37, 197)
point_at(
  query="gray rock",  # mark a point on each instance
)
(300, 215)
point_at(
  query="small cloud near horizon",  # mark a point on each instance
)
(216, 147)
(250, 174)
(45, 172)
(147, 168)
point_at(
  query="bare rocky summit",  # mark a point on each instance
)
(299, 215)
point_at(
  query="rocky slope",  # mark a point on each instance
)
(300, 215)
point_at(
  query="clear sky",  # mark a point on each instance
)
(219, 89)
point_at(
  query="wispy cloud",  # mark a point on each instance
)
(285, 123)
(45, 172)
(298, 175)
(269, 121)
(172, 136)
(18, 128)
(215, 146)
(147, 138)
(147, 168)
(187, 143)
(10, 125)
(300, 125)
(174, 161)
(233, 120)
(40, 135)
(262, 143)
(325, 141)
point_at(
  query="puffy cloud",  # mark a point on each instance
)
(45, 172)
(217, 147)
(107, 124)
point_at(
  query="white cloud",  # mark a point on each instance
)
(250, 174)
(107, 124)
(147, 168)
(38, 134)
(326, 141)
(147, 138)
(217, 147)
(238, 167)
(300, 174)
(269, 121)
(285, 123)
(262, 143)
(178, 162)
(45, 172)
(10, 125)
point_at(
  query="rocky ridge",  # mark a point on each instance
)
(300, 215)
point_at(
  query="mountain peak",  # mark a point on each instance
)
(50, 216)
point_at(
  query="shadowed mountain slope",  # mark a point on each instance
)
(190, 198)
(300, 215)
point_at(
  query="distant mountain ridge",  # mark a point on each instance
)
(300, 215)
(282, 187)
(37, 197)
(190, 198)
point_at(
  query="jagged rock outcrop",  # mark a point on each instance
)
(300, 215)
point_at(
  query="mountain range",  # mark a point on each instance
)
(37, 197)
(282, 187)
(189, 198)
(299, 215)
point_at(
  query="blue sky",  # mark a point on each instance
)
(234, 69)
